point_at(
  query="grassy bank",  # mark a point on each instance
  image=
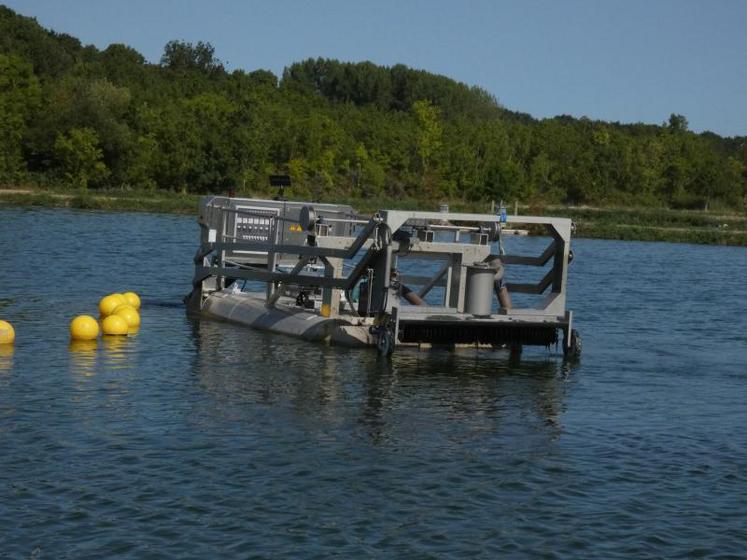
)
(657, 224)
(172, 203)
(633, 224)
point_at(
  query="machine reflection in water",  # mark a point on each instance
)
(385, 400)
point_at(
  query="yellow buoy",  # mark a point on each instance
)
(114, 324)
(133, 299)
(129, 314)
(7, 333)
(84, 327)
(109, 303)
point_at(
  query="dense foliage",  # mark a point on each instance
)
(87, 118)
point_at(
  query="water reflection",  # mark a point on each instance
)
(328, 386)
(83, 357)
(118, 351)
(6, 357)
(486, 388)
(88, 357)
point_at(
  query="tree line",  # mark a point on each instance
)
(86, 118)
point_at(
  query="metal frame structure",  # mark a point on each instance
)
(331, 251)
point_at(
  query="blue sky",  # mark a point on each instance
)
(628, 61)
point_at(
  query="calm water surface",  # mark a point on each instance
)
(205, 439)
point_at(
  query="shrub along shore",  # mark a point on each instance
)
(632, 224)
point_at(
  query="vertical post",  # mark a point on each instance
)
(272, 258)
(221, 281)
(462, 276)
(455, 282)
(331, 296)
(447, 287)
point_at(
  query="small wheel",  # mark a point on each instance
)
(573, 350)
(385, 344)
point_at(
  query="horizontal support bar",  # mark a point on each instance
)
(202, 272)
(538, 288)
(267, 247)
(429, 281)
(541, 260)
(464, 217)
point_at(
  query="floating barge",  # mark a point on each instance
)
(323, 272)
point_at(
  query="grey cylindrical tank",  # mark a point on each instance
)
(478, 296)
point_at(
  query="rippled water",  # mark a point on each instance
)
(204, 439)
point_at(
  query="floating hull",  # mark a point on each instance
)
(420, 330)
(251, 310)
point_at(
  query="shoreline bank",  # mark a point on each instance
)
(628, 224)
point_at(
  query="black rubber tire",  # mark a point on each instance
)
(385, 344)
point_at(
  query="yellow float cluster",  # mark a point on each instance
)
(118, 313)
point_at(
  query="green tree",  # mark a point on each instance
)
(430, 132)
(677, 123)
(184, 56)
(369, 172)
(20, 95)
(80, 158)
(340, 128)
(123, 66)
